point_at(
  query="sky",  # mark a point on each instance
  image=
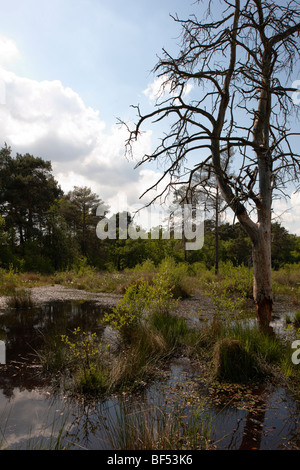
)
(69, 69)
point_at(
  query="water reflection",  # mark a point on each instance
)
(2, 352)
(27, 331)
(33, 413)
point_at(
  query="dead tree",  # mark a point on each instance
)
(241, 68)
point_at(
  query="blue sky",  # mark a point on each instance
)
(103, 50)
(69, 69)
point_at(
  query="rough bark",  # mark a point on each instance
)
(262, 276)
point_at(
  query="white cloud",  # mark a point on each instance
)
(8, 50)
(48, 116)
(51, 121)
(287, 212)
(163, 86)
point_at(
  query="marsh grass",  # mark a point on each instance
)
(173, 329)
(231, 350)
(240, 352)
(151, 331)
(20, 299)
(137, 363)
(159, 428)
(93, 382)
(296, 320)
(55, 439)
(52, 434)
(233, 362)
(152, 343)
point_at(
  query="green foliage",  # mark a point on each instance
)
(173, 329)
(141, 299)
(223, 301)
(10, 285)
(20, 298)
(286, 280)
(147, 266)
(27, 191)
(233, 362)
(296, 320)
(86, 355)
(237, 279)
(82, 268)
(285, 247)
(176, 275)
(230, 289)
(44, 230)
(9, 281)
(35, 259)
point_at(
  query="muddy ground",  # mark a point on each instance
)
(197, 308)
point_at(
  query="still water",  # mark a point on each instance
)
(33, 412)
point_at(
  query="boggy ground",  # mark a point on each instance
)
(50, 293)
(198, 308)
(195, 308)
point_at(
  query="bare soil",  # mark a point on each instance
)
(57, 292)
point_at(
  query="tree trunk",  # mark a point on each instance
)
(217, 234)
(262, 277)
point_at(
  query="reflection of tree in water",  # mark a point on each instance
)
(93, 424)
(282, 410)
(254, 426)
(27, 331)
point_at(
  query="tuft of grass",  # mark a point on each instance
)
(93, 382)
(20, 299)
(53, 355)
(268, 347)
(159, 428)
(233, 362)
(138, 362)
(296, 320)
(241, 352)
(174, 329)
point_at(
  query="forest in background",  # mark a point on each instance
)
(44, 230)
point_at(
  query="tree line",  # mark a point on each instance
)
(43, 229)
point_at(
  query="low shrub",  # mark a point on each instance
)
(236, 280)
(178, 277)
(87, 360)
(9, 281)
(140, 300)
